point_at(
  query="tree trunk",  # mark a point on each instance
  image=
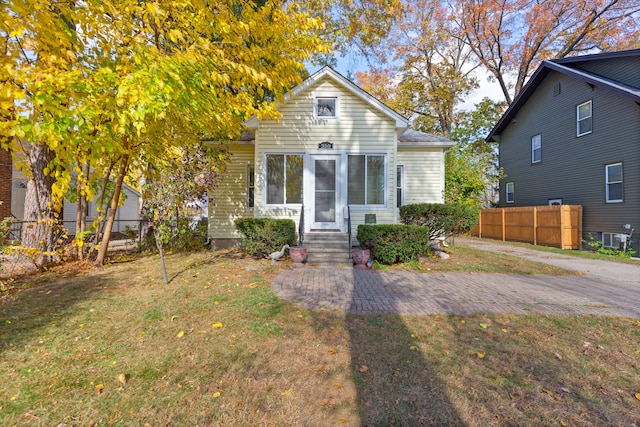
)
(160, 247)
(37, 232)
(104, 243)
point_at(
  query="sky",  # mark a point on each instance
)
(491, 89)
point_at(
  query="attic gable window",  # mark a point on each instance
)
(326, 107)
(584, 118)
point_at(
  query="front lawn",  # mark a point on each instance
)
(115, 346)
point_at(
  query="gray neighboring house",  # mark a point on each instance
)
(572, 136)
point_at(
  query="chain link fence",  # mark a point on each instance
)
(16, 260)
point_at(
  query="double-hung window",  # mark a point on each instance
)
(584, 117)
(284, 179)
(536, 148)
(613, 179)
(250, 186)
(367, 179)
(509, 192)
(399, 186)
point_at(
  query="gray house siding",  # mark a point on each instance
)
(573, 168)
(623, 70)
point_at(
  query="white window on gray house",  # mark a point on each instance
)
(584, 117)
(613, 173)
(326, 107)
(510, 192)
(536, 148)
(366, 179)
(251, 173)
(399, 185)
(611, 240)
(284, 179)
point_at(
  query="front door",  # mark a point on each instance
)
(325, 212)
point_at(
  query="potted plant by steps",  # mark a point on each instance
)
(361, 256)
(298, 255)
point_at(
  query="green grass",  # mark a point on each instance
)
(116, 347)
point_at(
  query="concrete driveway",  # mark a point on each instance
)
(602, 288)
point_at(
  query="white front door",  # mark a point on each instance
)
(325, 212)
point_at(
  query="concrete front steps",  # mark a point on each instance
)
(328, 248)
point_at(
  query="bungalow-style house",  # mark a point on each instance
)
(572, 136)
(336, 146)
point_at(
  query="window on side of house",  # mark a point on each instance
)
(251, 173)
(366, 179)
(510, 192)
(327, 107)
(611, 240)
(536, 148)
(399, 186)
(284, 179)
(613, 178)
(584, 117)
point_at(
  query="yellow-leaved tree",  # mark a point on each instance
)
(93, 89)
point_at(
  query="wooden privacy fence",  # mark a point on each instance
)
(556, 226)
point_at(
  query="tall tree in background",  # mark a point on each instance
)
(471, 166)
(511, 37)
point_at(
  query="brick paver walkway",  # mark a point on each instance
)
(370, 291)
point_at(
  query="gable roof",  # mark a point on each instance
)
(326, 71)
(567, 67)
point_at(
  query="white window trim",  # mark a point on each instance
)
(296, 206)
(386, 179)
(555, 202)
(612, 237)
(316, 117)
(606, 180)
(513, 192)
(579, 119)
(537, 137)
(402, 187)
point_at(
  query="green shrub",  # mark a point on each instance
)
(446, 220)
(263, 235)
(394, 243)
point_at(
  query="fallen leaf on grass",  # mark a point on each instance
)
(217, 325)
(216, 395)
(332, 351)
(336, 386)
(558, 356)
(100, 388)
(173, 318)
(123, 378)
(484, 325)
(287, 391)
(180, 334)
(363, 368)
(481, 354)
(638, 396)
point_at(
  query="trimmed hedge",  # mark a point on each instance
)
(266, 235)
(394, 243)
(446, 220)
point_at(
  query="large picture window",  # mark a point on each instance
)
(584, 117)
(614, 182)
(284, 179)
(366, 179)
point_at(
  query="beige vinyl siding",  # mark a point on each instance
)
(227, 202)
(423, 174)
(361, 128)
